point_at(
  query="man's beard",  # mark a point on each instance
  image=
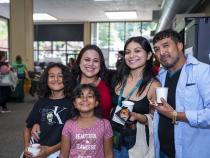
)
(170, 65)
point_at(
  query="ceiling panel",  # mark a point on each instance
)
(89, 10)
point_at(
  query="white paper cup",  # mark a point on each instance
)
(36, 145)
(128, 104)
(161, 92)
(34, 149)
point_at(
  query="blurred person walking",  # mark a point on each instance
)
(22, 73)
(5, 91)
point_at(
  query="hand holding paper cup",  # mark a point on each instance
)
(161, 92)
(128, 104)
(34, 149)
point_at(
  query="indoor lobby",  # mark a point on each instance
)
(68, 25)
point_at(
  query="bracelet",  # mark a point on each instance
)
(174, 116)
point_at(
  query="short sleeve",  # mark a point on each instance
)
(108, 133)
(67, 129)
(34, 116)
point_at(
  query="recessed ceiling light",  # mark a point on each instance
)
(120, 15)
(4, 1)
(42, 16)
(102, 0)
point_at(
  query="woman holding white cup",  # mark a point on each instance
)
(135, 82)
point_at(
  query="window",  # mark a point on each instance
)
(111, 36)
(4, 35)
(56, 51)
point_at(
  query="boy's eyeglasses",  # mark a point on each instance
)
(52, 78)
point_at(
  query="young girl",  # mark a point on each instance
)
(51, 110)
(86, 135)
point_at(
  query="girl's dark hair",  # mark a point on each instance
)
(77, 92)
(123, 70)
(103, 74)
(68, 81)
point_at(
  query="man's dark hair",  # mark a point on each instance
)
(169, 33)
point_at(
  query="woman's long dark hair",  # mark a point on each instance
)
(77, 92)
(103, 70)
(44, 91)
(123, 70)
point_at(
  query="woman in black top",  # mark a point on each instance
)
(134, 81)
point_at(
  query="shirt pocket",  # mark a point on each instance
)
(191, 96)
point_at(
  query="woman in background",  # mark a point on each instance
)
(5, 91)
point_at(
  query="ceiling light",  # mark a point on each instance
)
(121, 15)
(42, 16)
(4, 1)
(102, 0)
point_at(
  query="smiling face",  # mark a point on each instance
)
(86, 101)
(55, 79)
(169, 53)
(90, 63)
(135, 56)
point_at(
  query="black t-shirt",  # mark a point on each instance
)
(165, 127)
(51, 115)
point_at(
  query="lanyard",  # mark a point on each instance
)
(131, 93)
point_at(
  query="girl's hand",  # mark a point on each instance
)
(43, 152)
(35, 131)
(27, 154)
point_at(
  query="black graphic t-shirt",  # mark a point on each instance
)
(51, 115)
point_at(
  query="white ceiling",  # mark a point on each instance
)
(89, 10)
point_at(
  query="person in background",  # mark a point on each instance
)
(71, 63)
(86, 134)
(156, 66)
(119, 58)
(22, 73)
(182, 123)
(35, 77)
(134, 81)
(51, 110)
(5, 91)
(90, 68)
(112, 72)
